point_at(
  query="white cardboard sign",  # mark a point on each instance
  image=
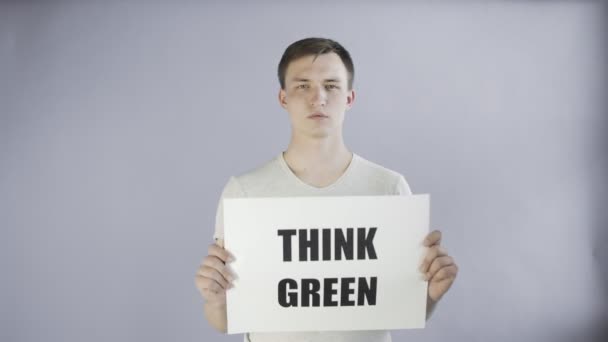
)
(326, 263)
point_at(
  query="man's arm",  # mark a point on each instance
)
(430, 307)
(213, 278)
(216, 315)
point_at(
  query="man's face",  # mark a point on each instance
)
(316, 87)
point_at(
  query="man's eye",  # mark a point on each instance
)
(331, 86)
(302, 86)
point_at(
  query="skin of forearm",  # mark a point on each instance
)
(216, 316)
(430, 307)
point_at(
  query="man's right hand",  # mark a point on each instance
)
(213, 277)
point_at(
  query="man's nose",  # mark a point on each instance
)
(318, 97)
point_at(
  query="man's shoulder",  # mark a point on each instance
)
(382, 178)
(260, 175)
(377, 171)
(264, 169)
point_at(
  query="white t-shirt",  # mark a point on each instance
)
(275, 179)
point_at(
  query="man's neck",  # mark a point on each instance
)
(318, 162)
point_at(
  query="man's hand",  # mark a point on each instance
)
(213, 277)
(438, 267)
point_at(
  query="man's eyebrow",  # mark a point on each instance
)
(297, 79)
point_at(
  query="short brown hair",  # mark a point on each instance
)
(316, 47)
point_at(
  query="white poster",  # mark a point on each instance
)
(326, 263)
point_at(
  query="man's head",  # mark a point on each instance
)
(315, 47)
(316, 76)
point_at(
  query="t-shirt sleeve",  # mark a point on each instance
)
(402, 187)
(232, 189)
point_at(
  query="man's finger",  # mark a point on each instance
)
(203, 283)
(217, 264)
(433, 252)
(434, 238)
(221, 253)
(212, 273)
(438, 264)
(448, 272)
(208, 283)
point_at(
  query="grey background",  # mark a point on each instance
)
(121, 122)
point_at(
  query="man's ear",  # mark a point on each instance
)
(350, 99)
(282, 96)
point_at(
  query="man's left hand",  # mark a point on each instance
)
(438, 268)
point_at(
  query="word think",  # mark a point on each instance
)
(344, 244)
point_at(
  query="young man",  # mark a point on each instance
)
(316, 78)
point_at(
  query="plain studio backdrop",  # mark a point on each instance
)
(121, 122)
